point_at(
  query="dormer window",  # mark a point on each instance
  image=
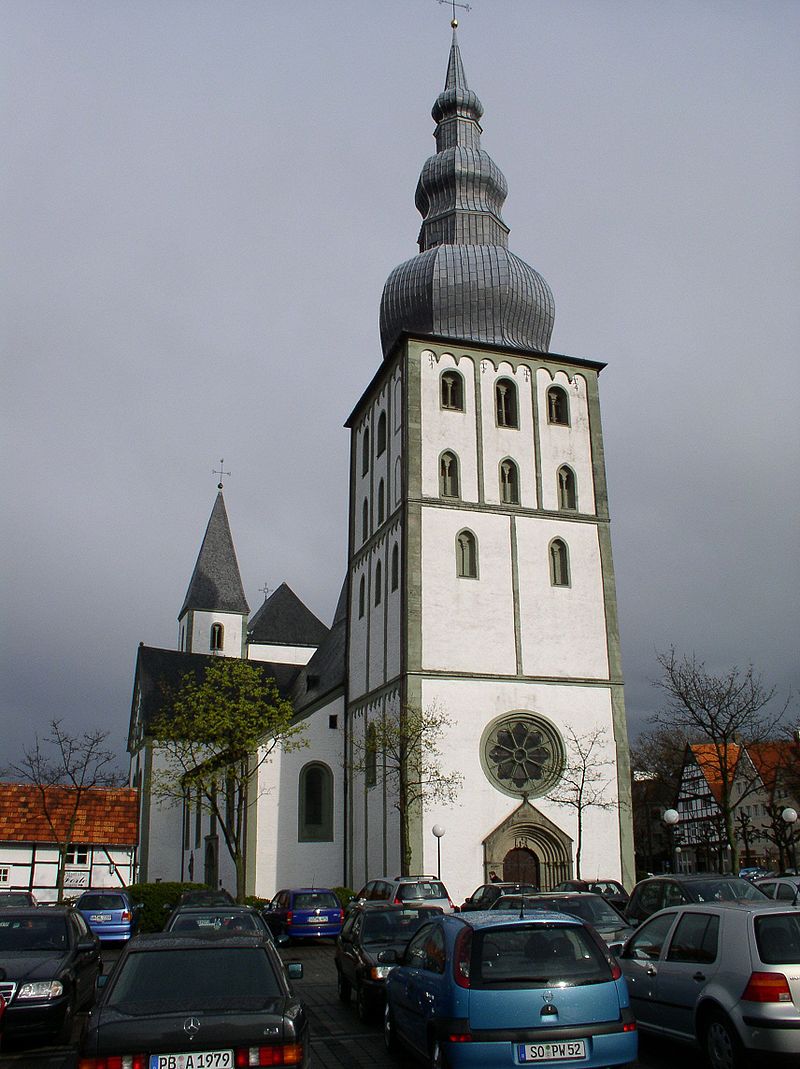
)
(217, 638)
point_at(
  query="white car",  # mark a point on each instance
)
(781, 888)
(725, 975)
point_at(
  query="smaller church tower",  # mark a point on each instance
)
(213, 618)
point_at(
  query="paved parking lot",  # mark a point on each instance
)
(339, 1040)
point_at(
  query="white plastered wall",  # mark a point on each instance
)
(570, 445)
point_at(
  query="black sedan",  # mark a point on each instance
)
(217, 918)
(370, 929)
(205, 1000)
(49, 961)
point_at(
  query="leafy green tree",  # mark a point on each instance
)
(403, 749)
(215, 732)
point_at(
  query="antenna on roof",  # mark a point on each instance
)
(522, 907)
(220, 473)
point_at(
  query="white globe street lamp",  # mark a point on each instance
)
(671, 818)
(789, 816)
(438, 831)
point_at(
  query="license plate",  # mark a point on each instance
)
(102, 917)
(317, 920)
(567, 1050)
(193, 1059)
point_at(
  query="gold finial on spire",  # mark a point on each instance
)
(454, 5)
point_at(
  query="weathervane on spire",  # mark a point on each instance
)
(220, 473)
(265, 590)
(454, 5)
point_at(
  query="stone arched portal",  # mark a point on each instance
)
(528, 842)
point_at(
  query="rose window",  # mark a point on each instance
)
(523, 754)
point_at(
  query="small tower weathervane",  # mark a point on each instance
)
(220, 473)
(454, 5)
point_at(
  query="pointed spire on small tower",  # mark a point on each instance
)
(216, 585)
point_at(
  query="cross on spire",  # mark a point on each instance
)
(454, 5)
(220, 473)
(265, 590)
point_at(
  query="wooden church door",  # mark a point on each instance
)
(521, 865)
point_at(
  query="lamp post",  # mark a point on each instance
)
(438, 831)
(789, 816)
(671, 818)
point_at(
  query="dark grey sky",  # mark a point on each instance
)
(201, 204)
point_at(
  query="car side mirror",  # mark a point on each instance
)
(616, 948)
(294, 970)
(87, 943)
(388, 957)
(167, 905)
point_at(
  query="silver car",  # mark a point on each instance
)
(782, 888)
(725, 975)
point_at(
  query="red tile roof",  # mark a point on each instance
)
(107, 816)
(708, 758)
(771, 757)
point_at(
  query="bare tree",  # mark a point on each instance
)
(728, 711)
(585, 780)
(403, 748)
(656, 763)
(64, 768)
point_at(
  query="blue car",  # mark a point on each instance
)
(111, 915)
(304, 913)
(486, 990)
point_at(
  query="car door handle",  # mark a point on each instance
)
(651, 970)
(699, 976)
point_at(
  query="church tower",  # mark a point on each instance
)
(213, 618)
(480, 574)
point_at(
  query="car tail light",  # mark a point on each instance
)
(397, 900)
(767, 987)
(126, 914)
(284, 1054)
(341, 916)
(459, 1037)
(114, 1061)
(629, 1026)
(289, 916)
(461, 957)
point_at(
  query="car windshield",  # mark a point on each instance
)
(206, 898)
(778, 938)
(592, 908)
(11, 899)
(101, 902)
(315, 900)
(216, 920)
(538, 956)
(713, 890)
(202, 978)
(407, 892)
(32, 933)
(393, 926)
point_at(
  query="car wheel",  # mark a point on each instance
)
(389, 1031)
(363, 1005)
(722, 1044)
(342, 987)
(438, 1057)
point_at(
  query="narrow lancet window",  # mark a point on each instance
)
(559, 563)
(509, 482)
(466, 555)
(557, 406)
(567, 495)
(505, 396)
(452, 391)
(448, 475)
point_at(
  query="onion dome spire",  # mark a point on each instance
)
(465, 283)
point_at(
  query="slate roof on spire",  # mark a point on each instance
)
(284, 619)
(216, 585)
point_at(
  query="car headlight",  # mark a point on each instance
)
(43, 989)
(380, 972)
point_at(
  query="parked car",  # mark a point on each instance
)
(725, 975)
(658, 892)
(782, 888)
(217, 918)
(368, 931)
(304, 913)
(754, 872)
(205, 897)
(112, 915)
(486, 895)
(201, 999)
(611, 890)
(488, 990)
(49, 961)
(406, 891)
(17, 899)
(606, 921)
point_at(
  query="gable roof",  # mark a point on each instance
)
(707, 756)
(216, 584)
(325, 672)
(284, 620)
(159, 672)
(107, 816)
(770, 758)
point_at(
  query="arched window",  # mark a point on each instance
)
(395, 566)
(381, 501)
(567, 496)
(557, 406)
(365, 452)
(364, 521)
(217, 638)
(448, 475)
(371, 757)
(559, 563)
(362, 597)
(466, 555)
(315, 804)
(452, 391)
(509, 482)
(380, 442)
(505, 403)
(378, 583)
